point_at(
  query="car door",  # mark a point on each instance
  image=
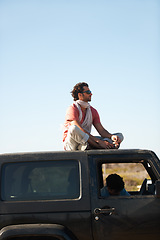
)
(49, 188)
(123, 217)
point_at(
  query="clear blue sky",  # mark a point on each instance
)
(47, 46)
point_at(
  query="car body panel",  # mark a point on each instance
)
(133, 217)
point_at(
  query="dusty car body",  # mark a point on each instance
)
(56, 195)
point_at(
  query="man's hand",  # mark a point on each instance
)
(116, 141)
(104, 144)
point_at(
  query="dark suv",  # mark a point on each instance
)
(57, 196)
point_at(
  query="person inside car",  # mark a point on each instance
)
(114, 186)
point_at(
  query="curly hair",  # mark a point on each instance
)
(78, 88)
(114, 181)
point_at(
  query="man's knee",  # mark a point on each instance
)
(120, 135)
(77, 134)
(73, 129)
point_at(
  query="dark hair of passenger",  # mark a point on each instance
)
(78, 88)
(115, 182)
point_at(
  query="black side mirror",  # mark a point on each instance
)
(157, 188)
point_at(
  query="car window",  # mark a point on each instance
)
(136, 179)
(40, 180)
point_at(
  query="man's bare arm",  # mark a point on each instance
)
(102, 131)
(105, 134)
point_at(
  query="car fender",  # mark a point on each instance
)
(41, 230)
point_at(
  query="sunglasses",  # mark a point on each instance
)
(88, 92)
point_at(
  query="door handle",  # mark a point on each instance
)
(108, 211)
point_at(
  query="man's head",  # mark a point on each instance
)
(82, 92)
(114, 184)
